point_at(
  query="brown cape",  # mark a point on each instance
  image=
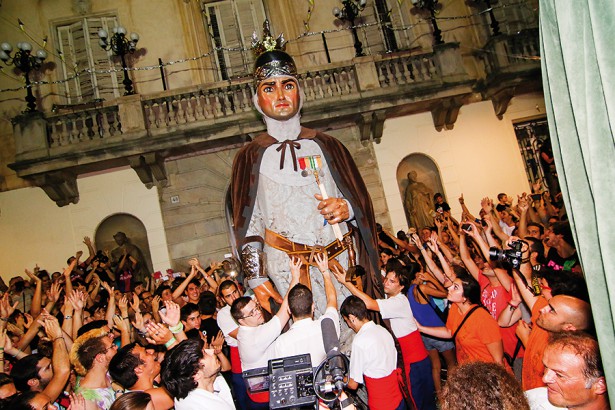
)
(244, 183)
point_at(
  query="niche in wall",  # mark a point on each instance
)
(417, 196)
(133, 228)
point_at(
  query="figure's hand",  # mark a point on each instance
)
(52, 327)
(6, 309)
(157, 333)
(33, 276)
(135, 305)
(156, 303)
(76, 300)
(523, 203)
(515, 296)
(122, 304)
(194, 262)
(53, 293)
(334, 210)
(217, 342)
(486, 204)
(416, 240)
(171, 317)
(523, 330)
(295, 267)
(322, 260)
(121, 324)
(77, 402)
(340, 274)
(139, 324)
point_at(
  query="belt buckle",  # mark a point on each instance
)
(315, 249)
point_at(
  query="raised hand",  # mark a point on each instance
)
(217, 342)
(322, 260)
(76, 300)
(33, 276)
(77, 402)
(523, 203)
(53, 293)
(121, 324)
(135, 305)
(52, 327)
(339, 273)
(139, 324)
(295, 267)
(486, 204)
(461, 200)
(416, 240)
(6, 309)
(156, 303)
(123, 304)
(157, 333)
(172, 315)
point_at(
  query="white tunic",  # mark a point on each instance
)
(398, 310)
(373, 353)
(256, 343)
(198, 399)
(227, 324)
(305, 336)
(285, 204)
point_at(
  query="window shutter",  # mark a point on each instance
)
(105, 84)
(370, 36)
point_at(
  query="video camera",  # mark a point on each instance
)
(100, 257)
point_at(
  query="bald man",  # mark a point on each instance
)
(561, 313)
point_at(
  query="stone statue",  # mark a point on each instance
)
(417, 203)
(140, 270)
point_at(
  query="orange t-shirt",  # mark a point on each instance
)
(477, 332)
(533, 368)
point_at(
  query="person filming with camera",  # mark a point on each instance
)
(495, 285)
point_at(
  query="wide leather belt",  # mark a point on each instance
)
(283, 244)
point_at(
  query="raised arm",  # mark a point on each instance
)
(213, 285)
(35, 306)
(464, 208)
(512, 314)
(431, 265)
(180, 289)
(340, 275)
(322, 261)
(59, 358)
(91, 251)
(464, 252)
(295, 271)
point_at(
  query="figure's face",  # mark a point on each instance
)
(120, 240)
(534, 232)
(567, 386)
(455, 291)
(391, 284)
(209, 364)
(252, 315)
(553, 317)
(230, 294)
(278, 97)
(193, 292)
(193, 321)
(148, 356)
(45, 372)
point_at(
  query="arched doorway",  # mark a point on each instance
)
(131, 226)
(417, 191)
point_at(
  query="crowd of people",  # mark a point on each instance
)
(496, 302)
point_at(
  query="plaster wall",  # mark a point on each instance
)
(479, 157)
(33, 230)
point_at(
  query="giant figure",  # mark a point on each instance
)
(277, 207)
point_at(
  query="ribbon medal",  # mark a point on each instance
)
(309, 164)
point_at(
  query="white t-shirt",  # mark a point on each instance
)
(373, 353)
(305, 336)
(198, 399)
(256, 343)
(227, 324)
(398, 310)
(538, 399)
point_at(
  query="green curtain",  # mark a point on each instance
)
(578, 68)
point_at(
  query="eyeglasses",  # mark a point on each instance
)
(253, 312)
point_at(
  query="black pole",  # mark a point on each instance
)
(162, 76)
(127, 82)
(358, 46)
(437, 33)
(495, 26)
(30, 100)
(324, 43)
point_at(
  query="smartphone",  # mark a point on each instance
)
(536, 197)
(466, 227)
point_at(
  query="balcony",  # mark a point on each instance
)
(512, 65)
(52, 149)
